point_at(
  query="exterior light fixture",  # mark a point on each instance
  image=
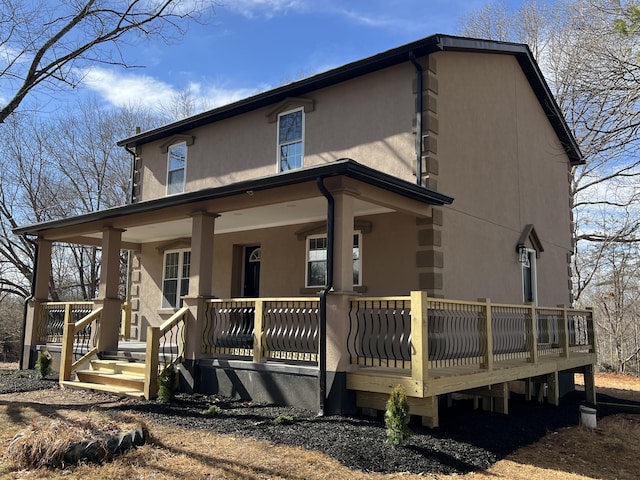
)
(523, 254)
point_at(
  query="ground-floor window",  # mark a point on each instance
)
(316, 271)
(175, 278)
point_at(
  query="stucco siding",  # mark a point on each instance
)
(500, 159)
(368, 119)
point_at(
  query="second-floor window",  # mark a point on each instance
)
(175, 278)
(176, 168)
(290, 140)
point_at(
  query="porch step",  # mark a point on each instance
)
(123, 378)
(102, 388)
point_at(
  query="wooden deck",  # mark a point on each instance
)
(373, 384)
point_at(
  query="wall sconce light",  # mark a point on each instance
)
(523, 254)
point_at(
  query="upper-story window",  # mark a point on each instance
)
(290, 140)
(176, 168)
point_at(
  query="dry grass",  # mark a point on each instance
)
(609, 452)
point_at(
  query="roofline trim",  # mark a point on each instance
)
(346, 167)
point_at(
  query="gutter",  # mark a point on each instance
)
(323, 295)
(419, 107)
(34, 272)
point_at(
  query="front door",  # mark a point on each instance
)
(251, 283)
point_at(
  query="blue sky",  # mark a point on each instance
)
(254, 45)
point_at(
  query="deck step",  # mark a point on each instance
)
(117, 390)
(114, 366)
(112, 379)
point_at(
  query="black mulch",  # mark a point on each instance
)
(467, 439)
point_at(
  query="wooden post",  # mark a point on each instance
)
(151, 363)
(420, 336)
(532, 330)
(258, 328)
(591, 332)
(487, 362)
(68, 335)
(589, 384)
(125, 325)
(553, 392)
(564, 332)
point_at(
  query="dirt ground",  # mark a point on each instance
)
(609, 452)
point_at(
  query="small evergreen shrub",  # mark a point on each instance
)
(283, 420)
(396, 417)
(43, 364)
(212, 411)
(167, 384)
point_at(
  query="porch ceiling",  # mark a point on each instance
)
(266, 216)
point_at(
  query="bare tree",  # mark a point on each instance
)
(46, 44)
(592, 67)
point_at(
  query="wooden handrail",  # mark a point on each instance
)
(67, 365)
(154, 334)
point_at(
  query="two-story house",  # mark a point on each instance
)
(300, 246)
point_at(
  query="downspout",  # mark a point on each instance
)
(34, 272)
(323, 295)
(419, 88)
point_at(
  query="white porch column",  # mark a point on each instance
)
(200, 287)
(108, 297)
(42, 268)
(338, 301)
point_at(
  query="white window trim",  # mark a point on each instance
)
(278, 163)
(306, 258)
(179, 294)
(532, 254)
(184, 179)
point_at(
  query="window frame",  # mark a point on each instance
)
(184, 145)
(180, 285)
(533, 276)
(279, 168)
(356, 234)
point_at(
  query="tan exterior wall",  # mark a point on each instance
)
(368, 119)
(500, 159)
(282, 270)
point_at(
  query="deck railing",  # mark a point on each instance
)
(79, 340)
(283, 329)
(165, 347)
(397, 332)
(51, 319)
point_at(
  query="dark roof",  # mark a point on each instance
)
(345, 167)
(425, 46)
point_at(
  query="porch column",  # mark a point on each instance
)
(200, 288)
(338, 304)
(108, 297)
(35, 325)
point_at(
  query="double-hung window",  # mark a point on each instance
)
(175, 278)
(290, 140)
(316, 275)
(176, 168)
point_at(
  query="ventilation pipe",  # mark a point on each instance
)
(323, 295)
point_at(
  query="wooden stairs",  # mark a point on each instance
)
(121, 377)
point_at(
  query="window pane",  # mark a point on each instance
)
(291, 156)
(176, 182)
(177, 157)
(186, 265)
(356, 272)
(171, 265)
(290, 127)
(169, 293)
(317, 273)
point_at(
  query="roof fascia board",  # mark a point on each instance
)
(346, 167)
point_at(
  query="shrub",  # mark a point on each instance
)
(43, 364)
(167, 384)
(283, 420)
(396, 417)
(212, 411)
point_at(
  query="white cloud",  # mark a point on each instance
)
(268, 8)
(124, 89)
